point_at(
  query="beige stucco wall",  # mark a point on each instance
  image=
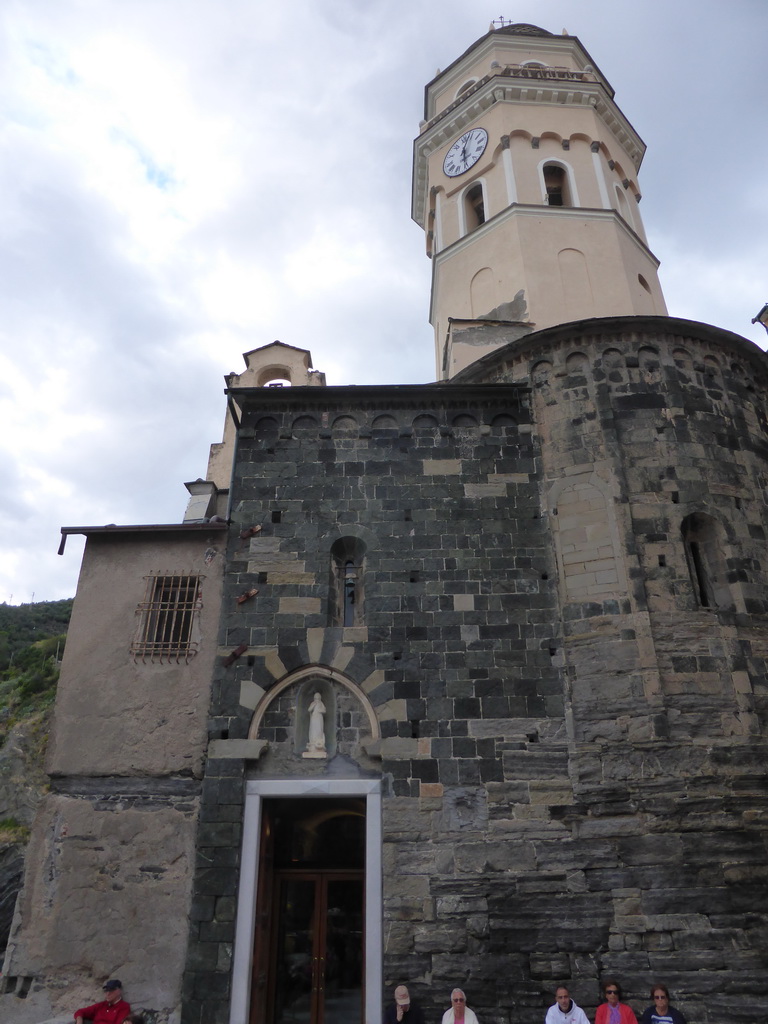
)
(116, 715)
(106, 894)
(109, 867)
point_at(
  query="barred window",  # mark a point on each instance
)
(167, 618)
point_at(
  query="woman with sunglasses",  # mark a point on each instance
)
(613, 1011)
(661, 1012)
(459, 1012)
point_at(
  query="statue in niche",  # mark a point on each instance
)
(316, 739)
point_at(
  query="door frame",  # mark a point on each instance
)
(321, 877)
(256, 792)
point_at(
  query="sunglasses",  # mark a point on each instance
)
(457, 1000)
(611, 991)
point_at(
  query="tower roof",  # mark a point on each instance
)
(522, 29)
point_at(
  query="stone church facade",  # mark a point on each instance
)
(456, 684)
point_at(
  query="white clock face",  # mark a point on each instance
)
(465, 152)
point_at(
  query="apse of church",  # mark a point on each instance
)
(455, 684)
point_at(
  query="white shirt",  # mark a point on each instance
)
(469, 1016)
(574, 1016)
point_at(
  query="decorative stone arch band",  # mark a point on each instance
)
(308, 673)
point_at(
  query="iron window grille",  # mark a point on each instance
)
(168, 613)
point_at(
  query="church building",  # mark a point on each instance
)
(460, 684)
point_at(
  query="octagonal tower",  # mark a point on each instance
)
(525, 182)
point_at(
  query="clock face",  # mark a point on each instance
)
(465, 152)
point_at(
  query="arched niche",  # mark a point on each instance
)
(274, 375)
(266, 425)
(649, 362)
(344, 425)
(282, 714)
(482, 292)
(305, 423)
(613, 359)
(576, 363)
(541, 372)
(577, 286)
(503, 422)
(682, 359)
(384, 422)
(704, 540)
(464, 419)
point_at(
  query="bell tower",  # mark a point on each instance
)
(525, 182)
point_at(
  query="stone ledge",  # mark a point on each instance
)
(123, 786)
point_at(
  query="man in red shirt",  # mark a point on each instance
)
(112, 1010)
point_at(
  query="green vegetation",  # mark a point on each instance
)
(32, 640)
(12, 831)
(23, 624)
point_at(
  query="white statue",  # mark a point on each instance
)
(316, 739)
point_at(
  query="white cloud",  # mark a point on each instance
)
(182, 181)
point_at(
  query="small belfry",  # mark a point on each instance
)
(525, 182)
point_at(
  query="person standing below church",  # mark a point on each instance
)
(613, 1011)
(565, 1011)
(403, 1010)
(113, 1009)
(661, 1012)
(459, 1012)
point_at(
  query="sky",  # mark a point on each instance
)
(182, 181)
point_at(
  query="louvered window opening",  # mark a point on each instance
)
(167, 616)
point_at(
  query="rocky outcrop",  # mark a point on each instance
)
(22, 783)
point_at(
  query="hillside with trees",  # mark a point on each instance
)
(32, 638)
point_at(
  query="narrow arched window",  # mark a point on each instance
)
(467, 86)
(556, 185)
(347, 590)
(474, 207)
(706, 562)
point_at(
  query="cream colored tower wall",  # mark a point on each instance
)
(579, 128)
(550, 267)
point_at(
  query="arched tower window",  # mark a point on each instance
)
(556, 185)
(466, 87)
(623, 206)
(474, 207)
(347, 592)
(706, 563)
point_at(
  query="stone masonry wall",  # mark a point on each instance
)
(644, 422)
(572, 743)
(457, 654)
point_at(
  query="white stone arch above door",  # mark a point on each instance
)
(287, 702)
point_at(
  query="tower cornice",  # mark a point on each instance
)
(512, 41)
